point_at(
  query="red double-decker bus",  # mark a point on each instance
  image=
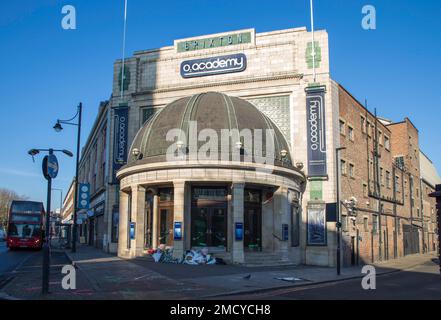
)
(25, 226)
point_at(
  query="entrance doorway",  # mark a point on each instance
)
(353, 251)
(252, 220)
(165, 226)
(91, 232)
(165, 216)
(209, 227)
(148, 220)
(209, 217)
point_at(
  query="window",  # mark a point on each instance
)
(295, 228)
(380, 138)
(399, 226)
(166, 194)
(399, 162)
(418, 212)
(366, 224)
(368, 128)
(381, 176)
(148, 113)
(351, 133)
(115, 224)
(351, 170)
(343, 167)
(342, 127)
(371, 169)
(386, 142)
(375, 224)
(397, 183)
(365, 190)
(363, 124)
(388, 179)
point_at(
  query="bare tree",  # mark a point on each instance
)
(6, 197)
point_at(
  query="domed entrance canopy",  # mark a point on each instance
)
(216, 112)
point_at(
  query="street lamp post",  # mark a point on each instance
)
(338, 206)
(58, 128)
(50, 171)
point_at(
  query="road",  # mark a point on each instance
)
(421, 282)
(10, 260)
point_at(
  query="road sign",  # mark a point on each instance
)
(50, 166)
(83, 196)
(79, 221)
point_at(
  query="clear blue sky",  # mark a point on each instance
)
(46, 71)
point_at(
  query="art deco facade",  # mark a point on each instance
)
(274, 71)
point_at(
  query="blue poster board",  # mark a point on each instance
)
(239, 231)
(132, 230)
(178, 231)
(316, 228)
(285, 232)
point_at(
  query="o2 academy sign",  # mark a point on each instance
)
(214, 65)
(315, 104)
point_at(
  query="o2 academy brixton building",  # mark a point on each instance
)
(226, 141)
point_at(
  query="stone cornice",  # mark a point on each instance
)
(230, 82)
(246, 166)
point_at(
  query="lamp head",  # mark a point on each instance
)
(179, 144)
(68, 153)
(283, 153)
(33, 152)
(58, 127)
(135, 152)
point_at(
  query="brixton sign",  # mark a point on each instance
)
(214, 42)
(214, 65)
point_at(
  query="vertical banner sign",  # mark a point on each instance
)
(121, 129)
(83, 196)
(315, 104)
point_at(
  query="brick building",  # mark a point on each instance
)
(380, 170)
(429, 179)
(67, 210)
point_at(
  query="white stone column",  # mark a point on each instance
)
(138, 216)
(123, 222)
(237, 252)
(155, 221)
(178, 216)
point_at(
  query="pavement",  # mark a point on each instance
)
(422, 282)
(103, 276)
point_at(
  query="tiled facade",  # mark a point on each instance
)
(279, 69)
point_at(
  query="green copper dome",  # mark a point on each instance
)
(211, 110)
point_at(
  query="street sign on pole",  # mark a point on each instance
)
(50, 167)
